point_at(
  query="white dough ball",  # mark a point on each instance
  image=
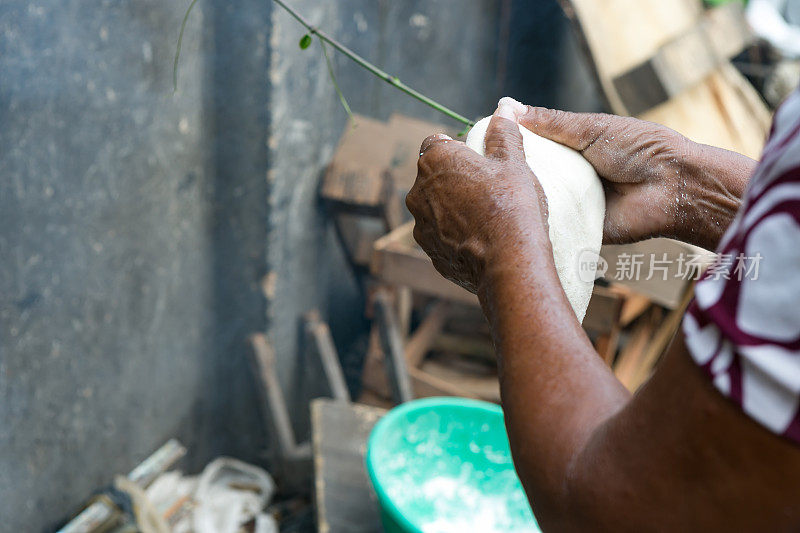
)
(576, 209)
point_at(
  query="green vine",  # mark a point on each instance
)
(178, 48)
(342, 99)
(306, 41)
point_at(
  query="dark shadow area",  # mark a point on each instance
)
(544, 64)
(237, 122)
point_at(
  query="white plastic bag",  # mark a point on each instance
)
(229, 494)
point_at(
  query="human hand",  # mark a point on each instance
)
(471, 210)
(657, 182)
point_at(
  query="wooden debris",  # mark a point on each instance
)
(650, 337)
(421, 341)
(661, 340)
(276, 412)
(633, 306)
(477, 348)
(358, 175)
(665, 268)
(373, 168)
(393, 349)
(602, 321)
(632, 355)
(263, 362)
(427, 384)
(397, 260)
(686, 60)
(482, 383)
(718, 108)
(345, 500)
(373, 375)
(319, 334)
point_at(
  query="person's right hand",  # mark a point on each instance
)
(657, 182)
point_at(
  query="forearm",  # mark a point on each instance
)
(713, 183)
(590, 456)
(555, 388)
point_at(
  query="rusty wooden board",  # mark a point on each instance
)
(345, 500)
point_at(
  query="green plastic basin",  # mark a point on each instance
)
(443, 465)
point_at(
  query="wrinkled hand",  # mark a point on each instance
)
(643, 166)
(471, 210)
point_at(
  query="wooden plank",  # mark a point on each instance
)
(420, 342)
(631, 357)
(635, 305)
(602, 320)
(661, 341)
(358, 235)
(423, 383)
(468, 320)
(404, 303)
(427, 385)
(344, 499)
(372, 399)
(664, 288)
(624, 33)
(374, 165)
(356, 176)
(602, 315)
(408, 134)
(320, 335)
(263, 362)
(686, 60)
(721, 109)
(727, 29)
(468, 385)
(397, 260)
(373, 375)
(392, 346)
(606, 345)
(478, 348)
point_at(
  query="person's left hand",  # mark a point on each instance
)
(471, 211)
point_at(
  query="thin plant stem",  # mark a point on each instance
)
(325, 39)
(178, 49)
(391, 80)
(342, 99)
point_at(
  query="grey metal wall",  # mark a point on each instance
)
(132, 240)
(136, 227)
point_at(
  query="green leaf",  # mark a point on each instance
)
(305, 41)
